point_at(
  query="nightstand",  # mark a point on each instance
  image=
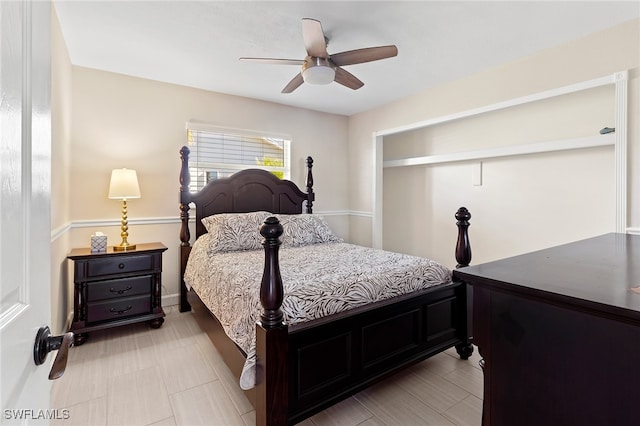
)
(116, 288)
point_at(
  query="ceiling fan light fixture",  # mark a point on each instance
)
(318, 71)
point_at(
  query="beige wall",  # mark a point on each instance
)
(446, 187)
(61, 292)
(121, 121)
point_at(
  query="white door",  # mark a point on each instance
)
(25, 229)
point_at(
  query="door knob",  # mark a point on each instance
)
(46, 343)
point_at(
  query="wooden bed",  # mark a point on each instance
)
(304, 368)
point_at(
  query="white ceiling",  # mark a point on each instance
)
(198, 44)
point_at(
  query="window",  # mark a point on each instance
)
(218, 153)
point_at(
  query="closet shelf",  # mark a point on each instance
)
(506, 151)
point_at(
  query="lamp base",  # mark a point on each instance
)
(125, 247)
(124, 244)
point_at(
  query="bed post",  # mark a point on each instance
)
(463, 248)
(185, 236)
(310, 195)
(463, 257)
(272, 393)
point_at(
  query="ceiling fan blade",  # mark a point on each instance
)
(360, 56)
(275, 61)
(313, 36)
(293, 84)
(347, 79)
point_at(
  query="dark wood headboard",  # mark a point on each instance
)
(245, 191)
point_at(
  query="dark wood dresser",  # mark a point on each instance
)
(559, 333)
(116, 288)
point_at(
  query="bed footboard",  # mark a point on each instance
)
(370, 344)
(295, 378)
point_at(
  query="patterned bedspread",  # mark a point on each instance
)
(319, 280)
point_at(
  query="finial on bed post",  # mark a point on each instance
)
(310, 195)
(271, 290)
(463, 247)
(185, 180)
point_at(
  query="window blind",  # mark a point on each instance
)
(219, 154)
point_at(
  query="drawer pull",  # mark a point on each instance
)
(120, 311)
(121, 266)
(120, 291)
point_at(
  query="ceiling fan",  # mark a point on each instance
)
(321, 68)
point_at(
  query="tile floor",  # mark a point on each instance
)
(138, 376)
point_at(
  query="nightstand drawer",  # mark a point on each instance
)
(118, 308)
(123, 287)
(119, 265)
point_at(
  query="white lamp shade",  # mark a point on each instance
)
(124, 184)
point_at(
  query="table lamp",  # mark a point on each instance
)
(123, 186)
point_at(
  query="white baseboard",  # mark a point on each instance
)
(171, 299)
